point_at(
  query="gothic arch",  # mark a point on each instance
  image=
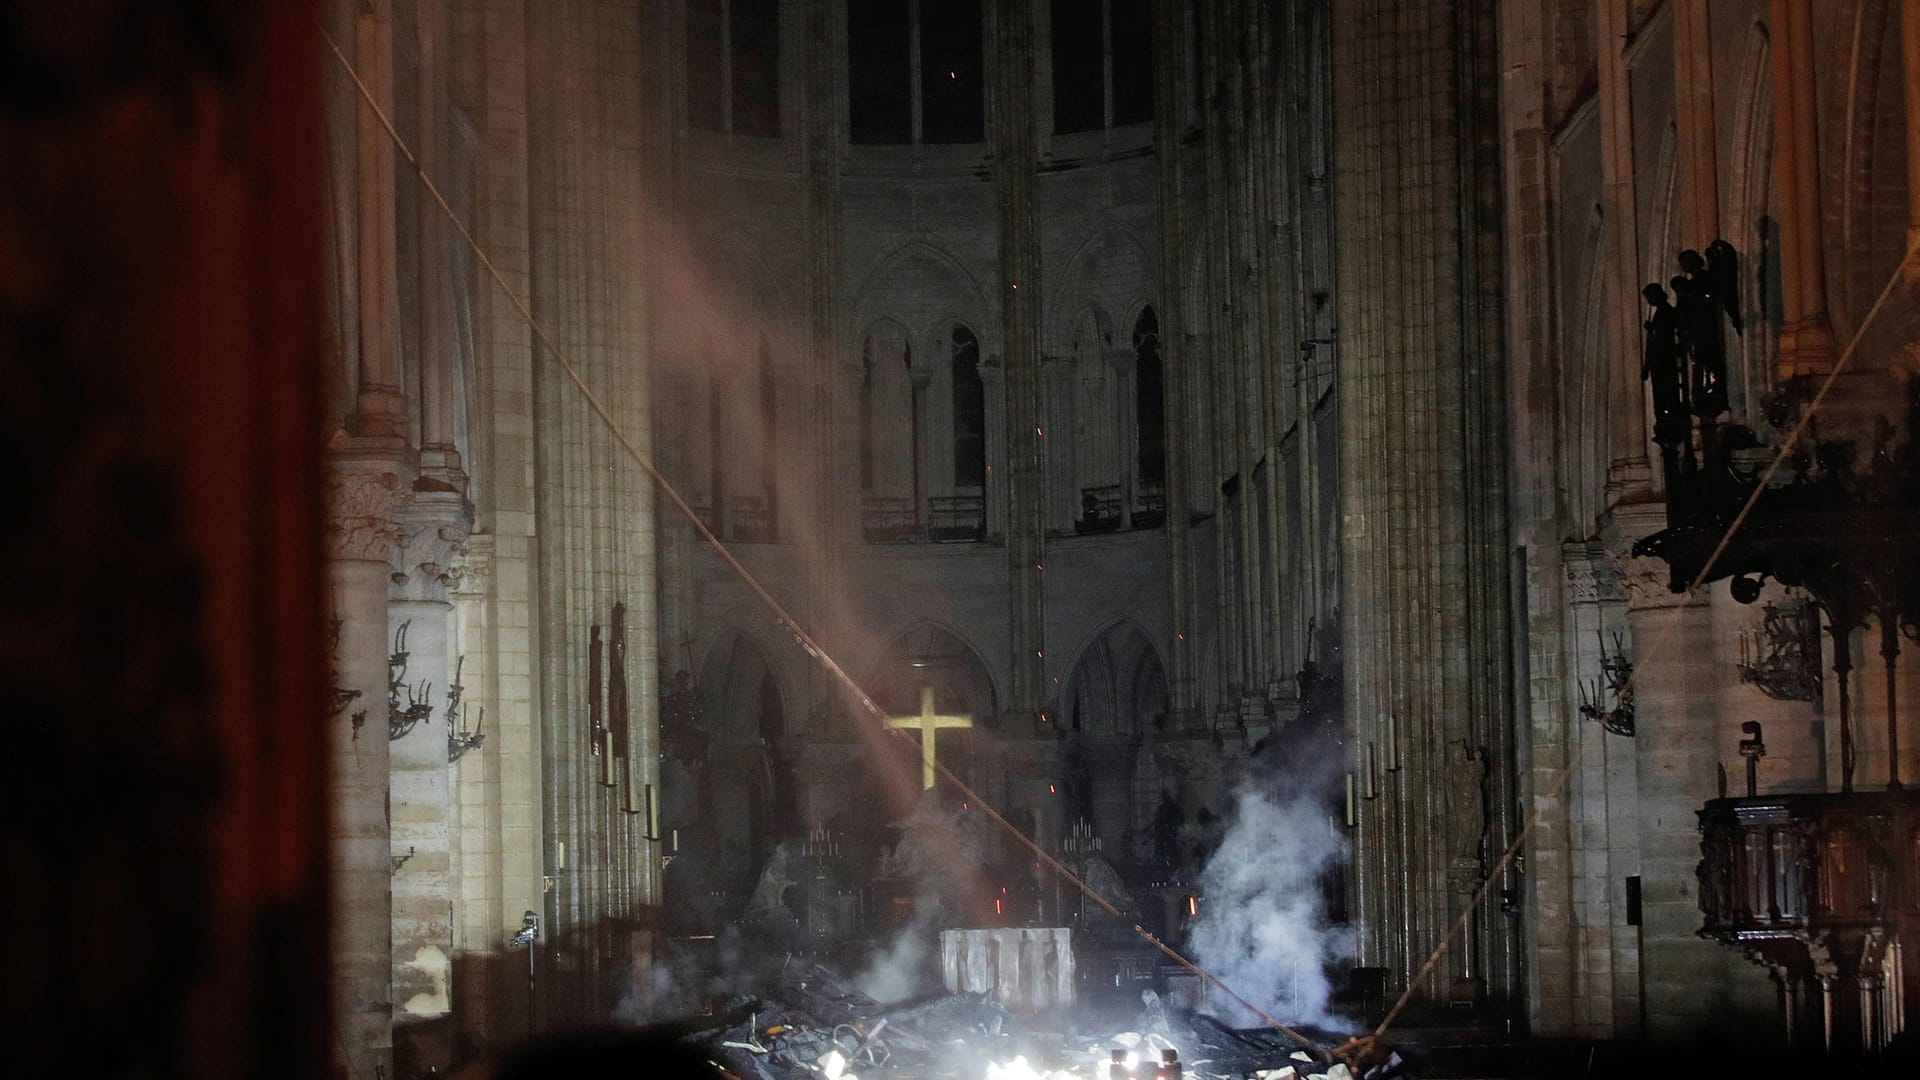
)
(1867, 190)
(1660, 257)
(735, 382)
(718, 284)
(744, 800)
(932, 652)
(1111, 670)
(1110, 269)
(888, 402)
(920, 283)
(1586, 405)
(1753, 231)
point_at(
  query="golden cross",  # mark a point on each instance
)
(928, 723)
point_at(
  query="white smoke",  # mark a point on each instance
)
(902, 969)
(1263, 926)
(680, 982)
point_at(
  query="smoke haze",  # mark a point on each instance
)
(1263, 928)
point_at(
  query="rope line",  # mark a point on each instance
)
(1354, 1048)
(786, 621)
(1654, 649)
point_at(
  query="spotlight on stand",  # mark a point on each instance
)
(525, 938)
(528, 933)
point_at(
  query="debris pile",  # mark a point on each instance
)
(817, 1024)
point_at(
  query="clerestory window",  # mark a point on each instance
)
(1102, 54)
(915, 72)
(733, 66)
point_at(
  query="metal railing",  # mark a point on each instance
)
(956, 518)
(1099, 510)
(886, 519)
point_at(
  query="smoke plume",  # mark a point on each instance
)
(1263, 927)
(901, 969)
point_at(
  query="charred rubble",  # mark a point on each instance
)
(816, 1023)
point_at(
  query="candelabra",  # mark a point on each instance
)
(1782, 655)
(402, 719)
(339, 697)
(460, 738)
(1615, 682)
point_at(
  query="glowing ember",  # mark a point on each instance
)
(1018, 1069)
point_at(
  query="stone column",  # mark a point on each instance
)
(1910, 57)
(1697, 152)
(439, 340)
(832, 520)
(361, 500)
(589, 246)
(433, 532)
(1015, 143)
(1425, 603)
(379, 409)
(1806, 338)
(1169, 112)
(1629, 471)
(1676, 713)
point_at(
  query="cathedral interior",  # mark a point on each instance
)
(1395, 519)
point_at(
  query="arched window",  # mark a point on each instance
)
(890, 457)
(1097, 413)
(765, 431)
(1148, 400)
(733, 66)
(969, 412)
(716, 442)
(1102, 54)
(769, 419)
(887, 42)
(866, 414)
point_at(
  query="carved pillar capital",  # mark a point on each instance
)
(360, 507)
(1644, 583)
(426, 551)
(471, 567)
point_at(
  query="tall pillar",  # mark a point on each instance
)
(1806, 337)
(439, 341)
(361, 530)
(1910, 58)
(834, 434)
(1698, 153)
(379, 410)
(1170, 112)
(594, 510)
(419, 800)
(1425, 601)
(1015, 142)
(1629, 470)
(1676, 713)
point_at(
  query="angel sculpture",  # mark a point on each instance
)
(1710, 288)
(1662, 365)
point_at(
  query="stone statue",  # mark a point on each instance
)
(1466, 801)
(1723, 267)
(1699, 316)
(1661, 365)
(1166, 832)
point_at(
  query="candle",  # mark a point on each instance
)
(1350, 817)
(676, 839)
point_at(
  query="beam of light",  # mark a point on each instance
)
(681, 293)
